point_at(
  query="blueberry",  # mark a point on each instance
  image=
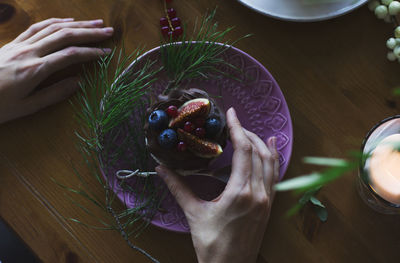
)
(213, 127)
(168, 139)
(158, 120)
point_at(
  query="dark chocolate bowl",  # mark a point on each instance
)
(184, 162)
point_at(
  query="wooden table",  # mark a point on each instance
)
(337, 83)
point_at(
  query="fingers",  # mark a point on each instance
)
(52, 28)
(275, 157)
(242, 154)
(49, 95)
(259, 144)
(33, 29)
(68, 56)
(183, 195)
(266, 157)
(71, 36)
(256, 178)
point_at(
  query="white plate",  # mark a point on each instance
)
(303, 10)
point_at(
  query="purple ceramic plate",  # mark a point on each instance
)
(260, 106)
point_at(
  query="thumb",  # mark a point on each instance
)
(182, 193)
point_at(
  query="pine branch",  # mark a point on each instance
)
(198, 56)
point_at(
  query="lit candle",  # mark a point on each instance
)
(379, 175)
(384, 173)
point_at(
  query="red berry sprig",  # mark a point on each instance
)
(172, 111)
(170, 24)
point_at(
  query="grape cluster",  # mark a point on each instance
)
(394, 45)
(387, 10)
(170, 24)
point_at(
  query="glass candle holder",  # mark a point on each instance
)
(378, 178)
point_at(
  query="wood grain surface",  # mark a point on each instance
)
(337, 83)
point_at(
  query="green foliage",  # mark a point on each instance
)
(310, 184)
(198, 56)
(103, 109)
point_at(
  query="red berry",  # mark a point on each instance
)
(177, 31)
(168, 1)
(163, 21)
(165, 31)
(199, 122)
(181, 146)
(188, 127)
(176, 21)
(172, 111)
(200, 132)
(171, 13)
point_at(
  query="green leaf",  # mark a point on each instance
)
(322, 213)
(316, 202)
(308, 194)
(396, 91)
(298, 182)
(307, 182)
(325, 161)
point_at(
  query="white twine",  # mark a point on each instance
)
(126, 174)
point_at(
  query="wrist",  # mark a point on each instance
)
(225, 252)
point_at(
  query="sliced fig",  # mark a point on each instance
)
(200, 147)
(190, 110)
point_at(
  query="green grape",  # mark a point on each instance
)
(391, 43)
(397, 32)
(381, 11)
(394, 8)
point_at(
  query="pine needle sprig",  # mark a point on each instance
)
(199, 56)
(104, 108)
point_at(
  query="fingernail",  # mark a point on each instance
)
(232, 111)
(97, 22)
(108, 30)
(68, 19)
(107, 50)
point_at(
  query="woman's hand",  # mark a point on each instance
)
(44, 48)
(231, 227)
